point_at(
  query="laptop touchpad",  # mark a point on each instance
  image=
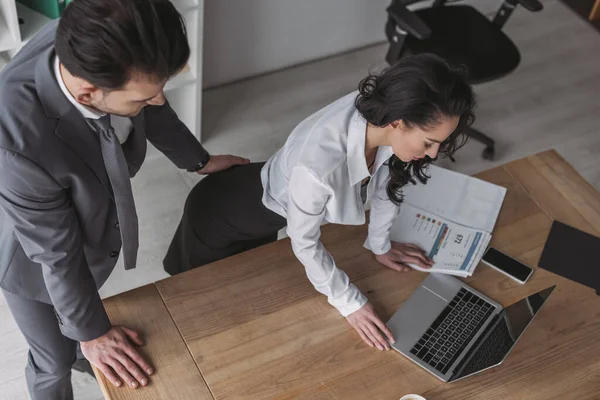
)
(414, 317)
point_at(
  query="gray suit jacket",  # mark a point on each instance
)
(58, 235)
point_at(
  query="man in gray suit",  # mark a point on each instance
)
(77, 105)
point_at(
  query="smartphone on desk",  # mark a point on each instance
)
(507, 265)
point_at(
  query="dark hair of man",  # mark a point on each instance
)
(108, 42)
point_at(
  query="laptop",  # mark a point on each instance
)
(454, 331)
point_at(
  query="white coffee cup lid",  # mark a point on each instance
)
(413, 397)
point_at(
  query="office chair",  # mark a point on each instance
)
(462, 36)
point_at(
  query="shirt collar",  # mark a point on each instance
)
(87, 112)
(357, 162)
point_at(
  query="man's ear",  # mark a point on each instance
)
(86, 93)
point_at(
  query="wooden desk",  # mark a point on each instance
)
(258, 330)
(177, 376)
(595, 12)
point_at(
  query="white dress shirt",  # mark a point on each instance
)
(314, 179)
(121, 125)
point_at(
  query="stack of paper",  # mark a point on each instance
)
(451, 218)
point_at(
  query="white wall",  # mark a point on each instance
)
(248, 37)
(243, 38)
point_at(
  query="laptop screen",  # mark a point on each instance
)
(502, 334)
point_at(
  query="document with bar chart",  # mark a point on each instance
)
(455, 247)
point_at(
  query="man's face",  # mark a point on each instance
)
(129, 100)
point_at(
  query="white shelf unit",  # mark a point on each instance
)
(184, 91)
(33, 21)
(10, 36)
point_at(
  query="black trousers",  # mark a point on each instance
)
(223, 216)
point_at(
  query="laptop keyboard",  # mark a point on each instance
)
(452, 330)
(491, 351)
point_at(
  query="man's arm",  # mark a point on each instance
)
(168, 134)
(46, 225)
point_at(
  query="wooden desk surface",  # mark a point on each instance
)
(177, 376)
(257, 329)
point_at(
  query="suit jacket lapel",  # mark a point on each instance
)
(77, 134)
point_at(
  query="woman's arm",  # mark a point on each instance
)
(306, 209)
(383, 213)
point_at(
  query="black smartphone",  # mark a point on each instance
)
(507, 265)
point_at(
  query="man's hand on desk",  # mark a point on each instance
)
(221, 163)
(114, 354)
(402, 254)
(370, 327)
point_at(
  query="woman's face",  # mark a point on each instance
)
(413, 143)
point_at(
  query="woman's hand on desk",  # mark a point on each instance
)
(402, 254)
(370, 327)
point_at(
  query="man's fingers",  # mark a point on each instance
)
(137, 358)
(235, 160)
(133, 335)
(109, 374)
(123, 373)
(132, 368)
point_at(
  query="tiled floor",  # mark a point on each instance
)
(550, 101)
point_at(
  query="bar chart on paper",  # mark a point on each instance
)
(462, 246)
(455, 249)
(451, 218)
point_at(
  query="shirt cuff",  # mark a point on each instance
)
(378, 247)
(352, 300)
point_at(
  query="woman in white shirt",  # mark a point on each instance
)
(361, 148)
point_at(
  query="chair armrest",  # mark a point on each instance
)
(507, 8)
(531, 5)
(409, 21)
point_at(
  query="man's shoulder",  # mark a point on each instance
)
(24, 124)
(22, 113)
(24, 120)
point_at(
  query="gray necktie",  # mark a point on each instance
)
(118, 174)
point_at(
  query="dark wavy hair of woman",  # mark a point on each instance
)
(421, 90)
